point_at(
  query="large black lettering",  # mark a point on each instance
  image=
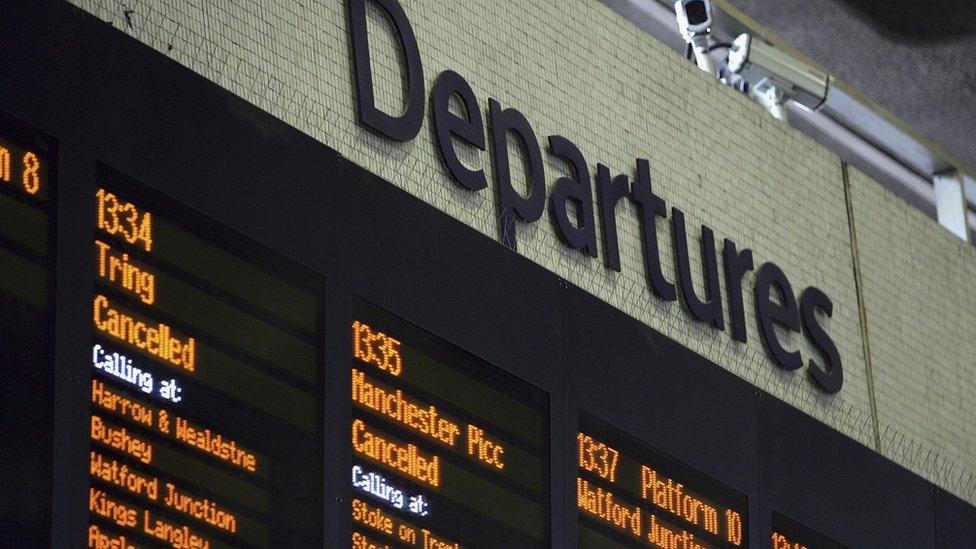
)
(708, 310)
(769, 312)
(649, 208)
(578, 190)
(470, 129)
(405, 126)
(736, 265)
(512, 205)
(830, 376)
(611, 191)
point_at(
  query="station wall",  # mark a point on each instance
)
(901, 311)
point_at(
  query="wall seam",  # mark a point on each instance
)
(861, 309)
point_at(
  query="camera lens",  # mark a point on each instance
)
(696, 12)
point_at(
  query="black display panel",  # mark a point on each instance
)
(206, 389)
(27, 166)
(629, 494)
(789, 534)
(448, 451)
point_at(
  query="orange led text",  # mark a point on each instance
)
(176, 535)
(109, 400)
(360, 541)
(376, 348)
(371, 516)
(405, 458)
(157, 340)
(104, 506)
(199, 508)
(215, 444)
(116, 268)
(376, 518)
(662, 536)
(30, 177)
(597, 457)
(425, 420)
(670, 496)
(119, 474)
(4, 165)
(103, 540)
(487, 451)
(123, 220)
(120, 439)
(782, 542)
(431, 541)
(603, 505)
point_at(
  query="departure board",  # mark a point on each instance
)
(447, 450)
(789, 534)
(27, 166)
(206, 406)
(632, 495)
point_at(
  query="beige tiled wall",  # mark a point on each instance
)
(918, 285)
(579, 70)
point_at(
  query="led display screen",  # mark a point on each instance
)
(26, 332)
(447, 450)
(789, 534)
(206, 407)
(632, 495)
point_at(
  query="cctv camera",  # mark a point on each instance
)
(695, 24)
(773, 76)
(694, 18)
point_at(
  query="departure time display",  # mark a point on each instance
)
(448, 451)
(631, 495)
(206, 408)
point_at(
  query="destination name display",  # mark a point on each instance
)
(632, 495)
(447, 450)
(26, 331)
(789, 534)
(206, 406)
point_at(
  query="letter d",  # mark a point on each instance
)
(406, 126)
